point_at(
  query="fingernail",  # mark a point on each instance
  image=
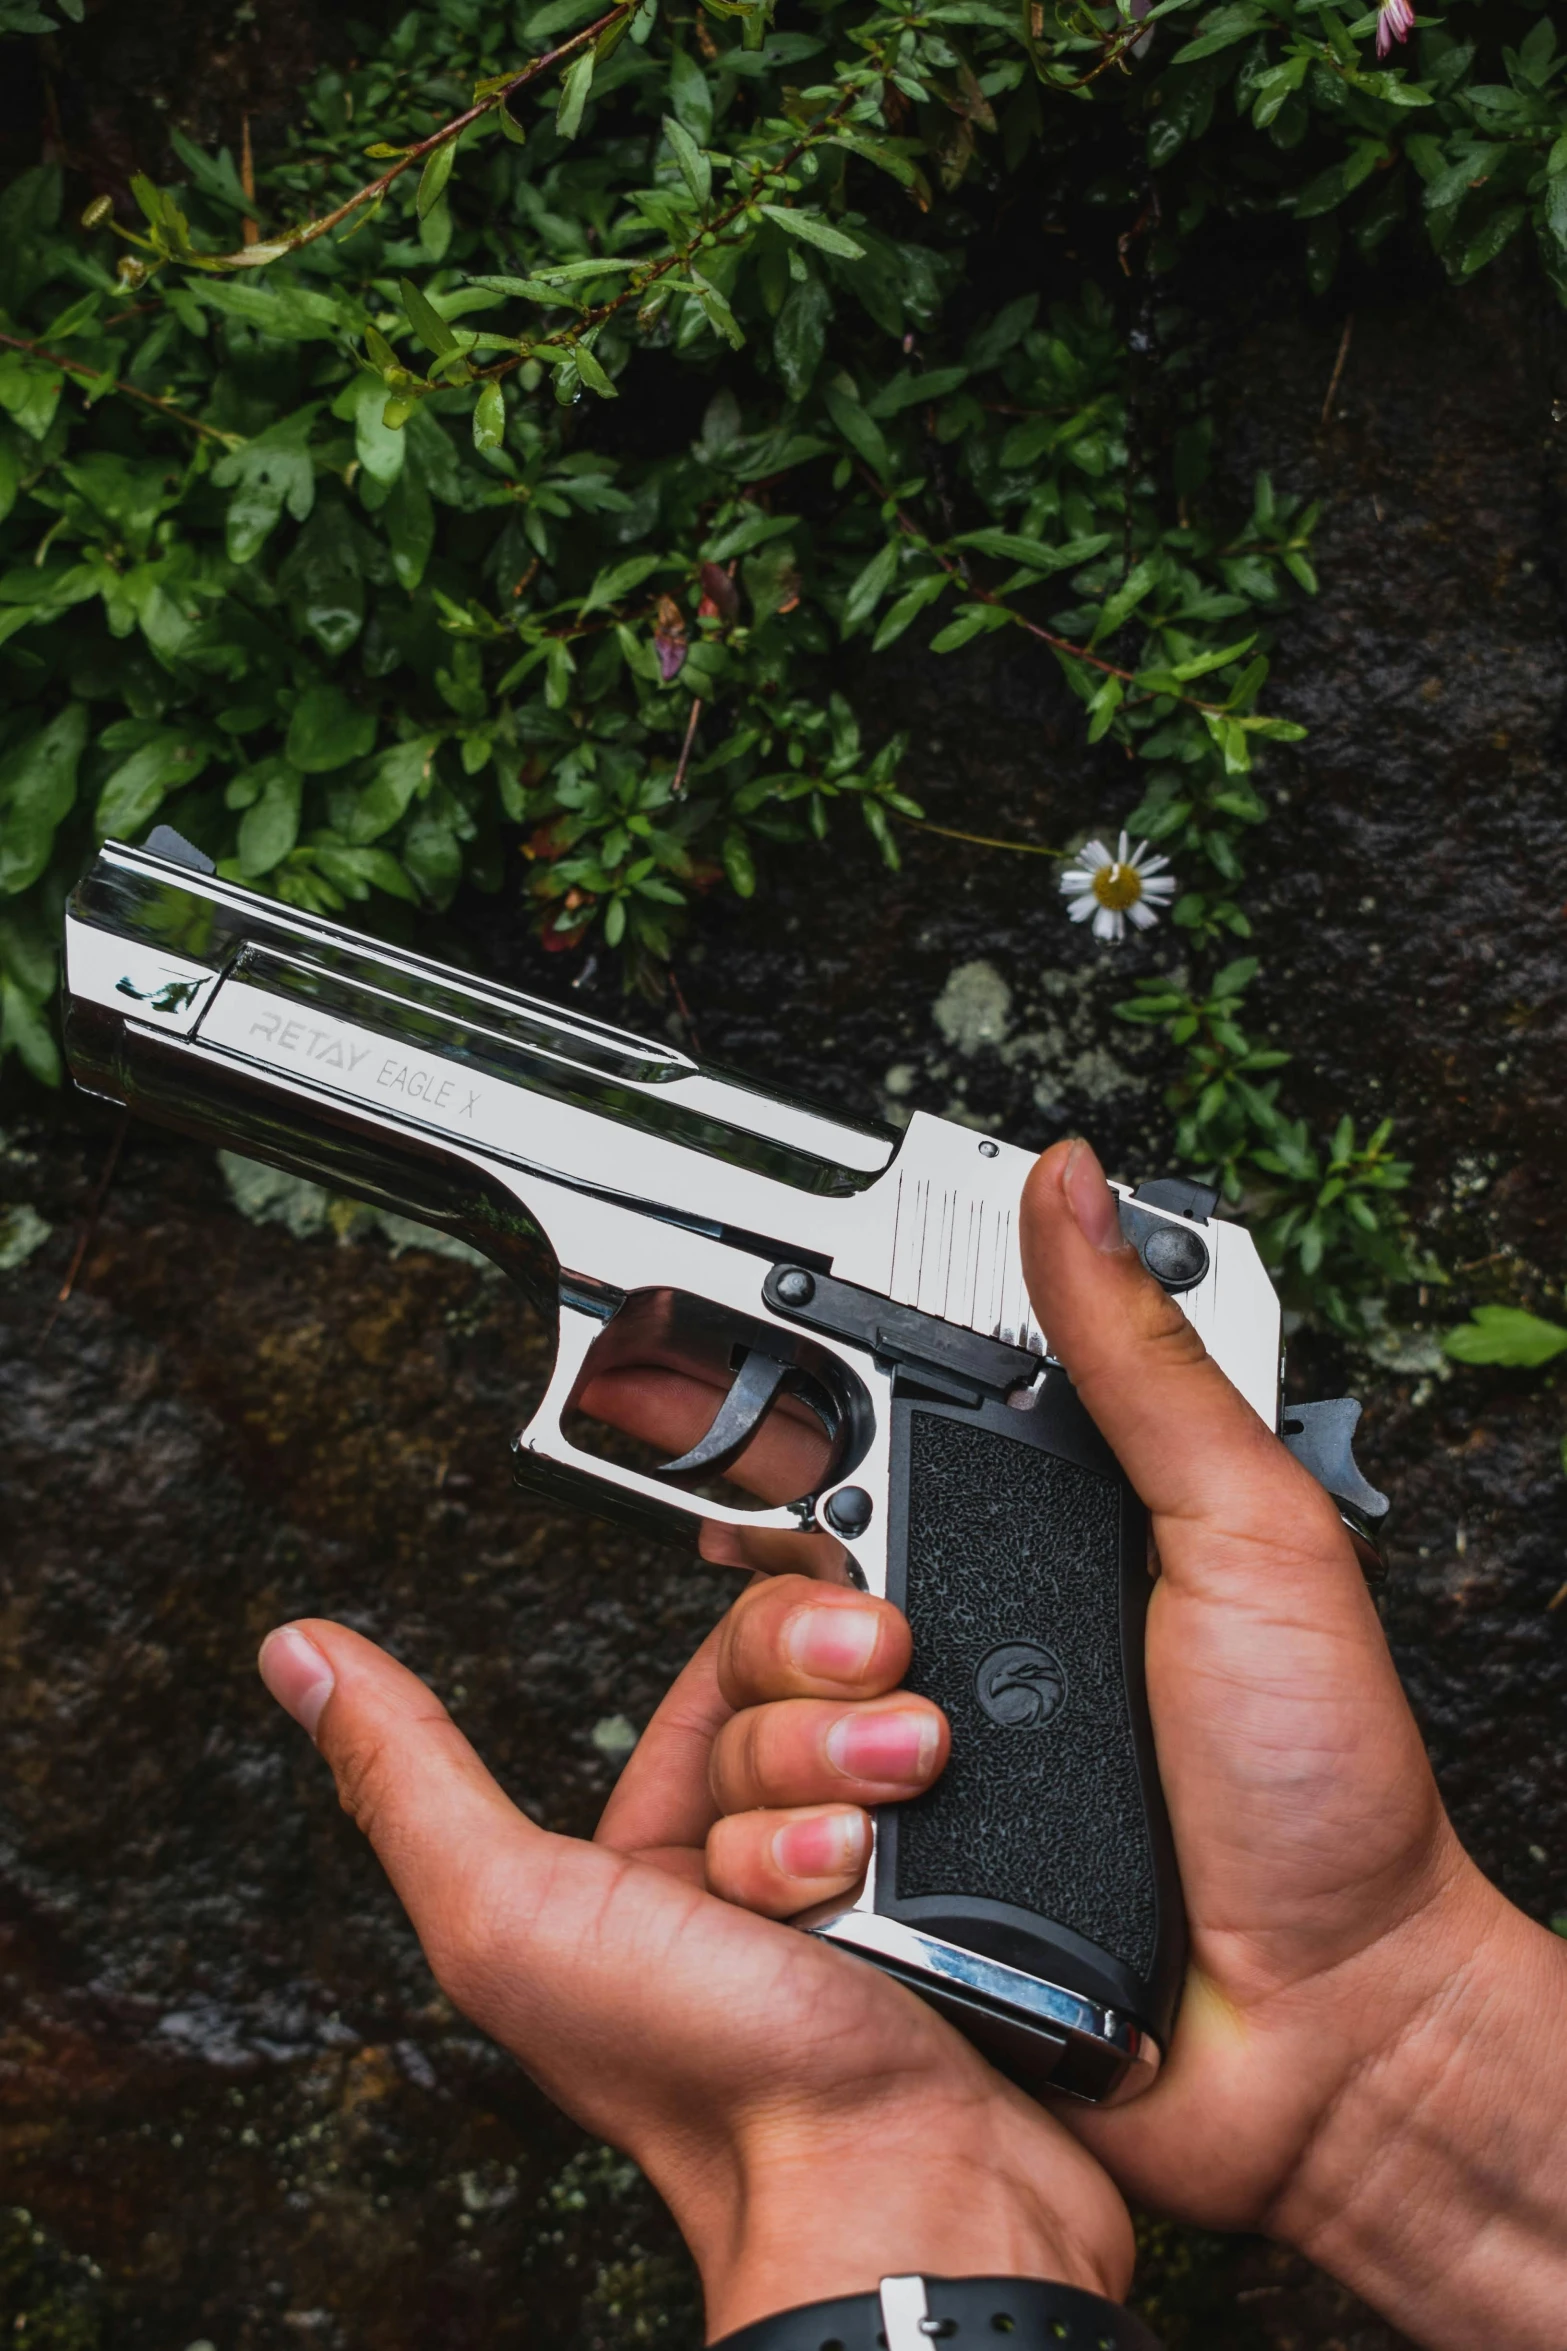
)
(297, 1675)
(888, 1747)
(824, 1845)
(832, 1644)
(1090, 1198)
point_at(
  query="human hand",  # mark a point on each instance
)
(812, 2125)
(1363, 2063)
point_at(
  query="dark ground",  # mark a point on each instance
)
(233, 2112)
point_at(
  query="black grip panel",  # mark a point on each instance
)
(1019, 1555)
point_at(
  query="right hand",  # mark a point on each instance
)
(1371, 2054)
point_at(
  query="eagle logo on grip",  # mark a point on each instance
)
(1021, 1685)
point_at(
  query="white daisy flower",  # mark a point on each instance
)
(1116, 888)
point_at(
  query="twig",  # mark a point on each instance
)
(683, 1007)
(971, 587)
(89, 1226)
(979, 840)
(1338, 369)
(250, 232)
(679, 784)
(371, 193)
(79, 367)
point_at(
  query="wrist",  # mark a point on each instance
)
(1433, 2184)
(828, 2207)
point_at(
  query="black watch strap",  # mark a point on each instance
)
(911, 2313)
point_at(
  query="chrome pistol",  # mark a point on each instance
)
(660, 1212)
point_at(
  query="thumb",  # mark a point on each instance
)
(565, 1952)
(1192, 1446)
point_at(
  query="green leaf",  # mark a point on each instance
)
(73, 318)
(739, 864)
(25, 1032)
(1221, 30)
(267, 475)
(972, 621)
(408, 518)
(1331, 187)
(695, 168)
(800, 336)
(1556, 207)
(287, 312)
(357, 871)
(862, 432)
(139, 785)
(29, 391)
(716, 310)
(270, 826)
(545, 24)
(433, 178)
(576, 82)
(592, 373)
(10, 470)
(380, 450)
(37, 791)
(690, 94)
(870, 586)
(990, 343)
(1102, 709)
(489, 419)
(1498, 231)
(754, 529)
(914, 391)
(398, 775)
(814, 229)
(1008, 547)
(432, 854)
(1118, 608)
(426, 321)
(327, 730)
(1505, 1334)
(908, 607)
(618, 580)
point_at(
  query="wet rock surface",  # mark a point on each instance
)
(233, 2111)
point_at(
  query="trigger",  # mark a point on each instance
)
(736, 1421)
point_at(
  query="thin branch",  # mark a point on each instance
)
(1338, 369)
(79, 367)
(250, 231)
(89, 1226)
(679, 784)
(971, 587)
(979, 840)
(684, 1009)
(372, 192)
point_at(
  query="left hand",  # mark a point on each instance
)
(812, 2125)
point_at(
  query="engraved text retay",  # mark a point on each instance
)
(311, 1043)
(333, 1047)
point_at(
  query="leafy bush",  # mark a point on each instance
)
(553, 486)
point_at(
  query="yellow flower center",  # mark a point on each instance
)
(1118, 887)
